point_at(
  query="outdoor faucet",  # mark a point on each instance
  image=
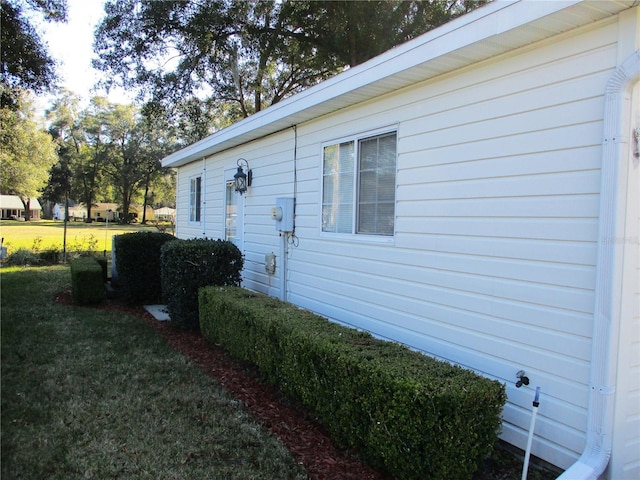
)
(522, 379)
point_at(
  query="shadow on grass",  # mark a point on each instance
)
(97, 394)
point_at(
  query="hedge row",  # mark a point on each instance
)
(408, 414)
(87, 280)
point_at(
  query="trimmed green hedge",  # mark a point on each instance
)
(138, 265)
(406, 413)
(190, 264)
(103, 265)
(87, 284)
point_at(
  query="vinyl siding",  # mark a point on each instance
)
(492, 265)
(493, 261)
(184, 228)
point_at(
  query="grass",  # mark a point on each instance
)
(49, 235)
(88, 393)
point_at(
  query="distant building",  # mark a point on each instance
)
(57, 211)
(165, 214)
(12, 208)
(101, 212)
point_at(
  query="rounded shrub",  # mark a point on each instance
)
(188, 265)
(23, 257)
(138, 265)
(49, 256)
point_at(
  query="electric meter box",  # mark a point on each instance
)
(270, 263)
(282, 213)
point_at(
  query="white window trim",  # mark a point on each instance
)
(358, 237)
(191, 178)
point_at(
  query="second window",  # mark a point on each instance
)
(359, 184)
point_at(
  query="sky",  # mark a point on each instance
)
(71, 45)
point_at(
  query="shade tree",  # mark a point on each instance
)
(25, 62)
(27, 152)
(237, 58)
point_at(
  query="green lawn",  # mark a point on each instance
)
(88, 393)
(49, 234)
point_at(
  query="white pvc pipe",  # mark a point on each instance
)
(283, 266)
(532, 426)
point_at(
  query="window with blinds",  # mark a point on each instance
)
(358, 188)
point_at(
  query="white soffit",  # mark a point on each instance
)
(496, 28)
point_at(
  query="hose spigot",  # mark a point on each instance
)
(522, 379)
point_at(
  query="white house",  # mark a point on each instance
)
(13, 208)
(165, 214)
(58, 210)
(473, 193)
(77, 212)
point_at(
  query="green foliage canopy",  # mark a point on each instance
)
(25, 62)
(237, 58)
(27, 153)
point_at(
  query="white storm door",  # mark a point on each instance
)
(234, 218)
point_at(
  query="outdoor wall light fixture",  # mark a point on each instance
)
(243, 180)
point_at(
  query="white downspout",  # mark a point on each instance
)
(203, 200)
(176, 229)
(615, 157)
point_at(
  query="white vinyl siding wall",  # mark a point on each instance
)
(492, 265)
(184, 228)
(626, 441)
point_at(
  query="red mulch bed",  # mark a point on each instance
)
(306, 440)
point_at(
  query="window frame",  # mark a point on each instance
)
(356, 139)
(195, 207)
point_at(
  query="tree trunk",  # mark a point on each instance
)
(88, 219)
(126, 203)
(144, 203)
(27, 208)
